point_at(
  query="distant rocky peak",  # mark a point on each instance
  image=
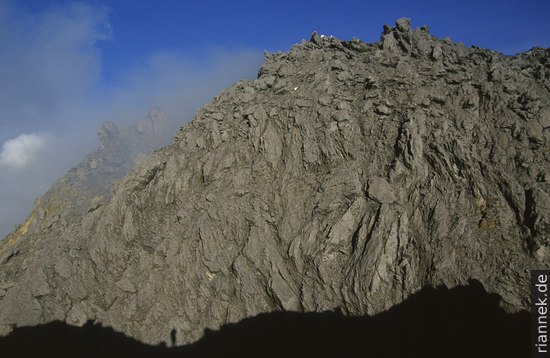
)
(108, 134)
(154, 123)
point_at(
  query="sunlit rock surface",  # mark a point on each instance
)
(347, 176)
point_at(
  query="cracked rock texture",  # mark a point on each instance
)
(348, 175)
(86, 186)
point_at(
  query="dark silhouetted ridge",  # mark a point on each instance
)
(462, 322)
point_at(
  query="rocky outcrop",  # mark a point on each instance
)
(348, 175)
(92, 181)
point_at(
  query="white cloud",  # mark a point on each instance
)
(179, 83)
(21, 151)
(52, 82)
(49, 59)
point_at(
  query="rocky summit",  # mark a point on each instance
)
(348, 175)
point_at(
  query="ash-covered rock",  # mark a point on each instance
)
(348, 175)
(89, 184)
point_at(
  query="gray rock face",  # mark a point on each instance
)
(347, 175)
(92, 181)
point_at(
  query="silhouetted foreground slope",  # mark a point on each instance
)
(462, 322)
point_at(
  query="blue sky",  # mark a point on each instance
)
(67, 66)
(140, 27)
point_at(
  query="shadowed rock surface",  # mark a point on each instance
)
(462, 322)
(347, 176)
